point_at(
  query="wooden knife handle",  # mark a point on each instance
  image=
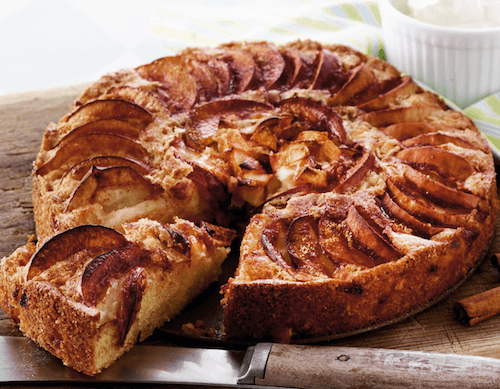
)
(301, 366)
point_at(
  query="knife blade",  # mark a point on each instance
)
(264, 365)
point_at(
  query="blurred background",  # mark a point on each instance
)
(50, 43)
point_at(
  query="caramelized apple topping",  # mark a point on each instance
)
(79, 170)
(367, 237)
(108, 126)
(317, 115)
(317, 247)
(100, 270)
(205, 119)
(91, 145)
(337, 244)
(423, 208)
(70, 242)
(273, 241)
(445, 163)
(389, 93)
(269, 65)
(302, 243)
(114, 188)
(179, 242)
(359, 80)
(134, 287)
(110, 109)
(357, 173)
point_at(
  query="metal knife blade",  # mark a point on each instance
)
(266, 365)
(21, 360)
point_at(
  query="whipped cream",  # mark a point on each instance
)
(455, 13)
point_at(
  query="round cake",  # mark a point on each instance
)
(362, 185)
(359, 195)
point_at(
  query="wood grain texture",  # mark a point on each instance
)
(23, 119)
(347, 367)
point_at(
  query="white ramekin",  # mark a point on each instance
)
(462, 65)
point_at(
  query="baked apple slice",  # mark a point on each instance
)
(407, 130)
(269, 65)
(79, 171)
(335, 244)
(101, 269)
(316, 114)
(418, 226)
(208, 184)
(281, 198)
(285, 162)
(365, 233)
(207, 83)
(307, 173)
(253, 181)
(109, 109)
(375, 90)
(427, 186)
(273, 240)
(88, 238)
(178, 85)
(437, 139)
(151, 97)
(330, 74)
(388, 116)
(444, 162)
(405, 88)
(221, 235)
(118, 274)
(205, 119)
(113, 188)
(420, 206)
(89, 146)
(291, 70)
(241, 67)
(108, 126)
(249, 192)
(321, 147)
(265, 134)
(356, 174)
(302, 243)
(359, 80)
(178, 241)
(133, 289)
(219, 68)
(308, 71)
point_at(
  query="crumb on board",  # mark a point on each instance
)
(197, 329)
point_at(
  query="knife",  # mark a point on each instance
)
(264, 365)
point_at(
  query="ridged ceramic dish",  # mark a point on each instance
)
(458, 63)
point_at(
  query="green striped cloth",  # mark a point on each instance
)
(486, 115)
(356, 24)
(208, 23)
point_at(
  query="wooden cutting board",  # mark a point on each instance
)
(23, 119)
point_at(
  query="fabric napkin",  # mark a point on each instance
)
(200, 23)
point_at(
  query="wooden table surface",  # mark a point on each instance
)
(23, 119)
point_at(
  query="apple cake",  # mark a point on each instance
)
(358, 196)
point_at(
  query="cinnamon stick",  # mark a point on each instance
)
(479, 307)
